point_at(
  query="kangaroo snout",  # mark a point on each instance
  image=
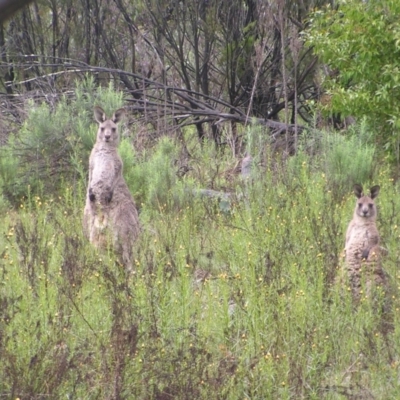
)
(365, 211)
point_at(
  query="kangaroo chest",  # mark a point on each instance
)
(106, 166)
(363, 235)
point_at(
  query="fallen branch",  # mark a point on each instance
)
(183, 105)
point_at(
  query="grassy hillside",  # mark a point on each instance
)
(231, 299)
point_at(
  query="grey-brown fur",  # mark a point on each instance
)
(363, 257)
(110, 211)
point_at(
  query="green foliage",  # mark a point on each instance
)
(245, 305)
(344, 159)
(152, 179)
(347, 162)
(53, 145)
(360, 42)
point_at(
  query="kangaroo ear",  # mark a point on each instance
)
(374, 191)
(358, 190)
(99, 114)
(117, 116)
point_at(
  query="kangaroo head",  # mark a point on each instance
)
(365, 206)
(108, 131)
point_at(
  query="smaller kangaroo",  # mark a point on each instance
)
(362, 244)
(109, 209)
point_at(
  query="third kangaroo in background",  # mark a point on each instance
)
(110, 212)
(363, 258)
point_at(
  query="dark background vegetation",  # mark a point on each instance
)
(201, 63)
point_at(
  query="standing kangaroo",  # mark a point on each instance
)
(362, 244)
(110, 210)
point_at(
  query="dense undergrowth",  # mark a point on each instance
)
(230, 299)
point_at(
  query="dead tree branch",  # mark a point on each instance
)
(184, 106)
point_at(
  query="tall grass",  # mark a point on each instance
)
(245, 304)
(221, 306)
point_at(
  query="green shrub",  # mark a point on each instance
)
(152, 180)
(347, 160)
(359, 42)
(53, 145)
(344, 158)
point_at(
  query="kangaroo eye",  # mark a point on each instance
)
(370, 205)
(359, 205)
(113, 130)
(102, 129)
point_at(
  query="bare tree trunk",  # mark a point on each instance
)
(9, 74)
(295, 46)
(109, 48)
(87, 30)
(55, 29)
(97, 28)
(275, 74)
(281, 22)
(132, 32)
(39, 27)
(65, 37)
